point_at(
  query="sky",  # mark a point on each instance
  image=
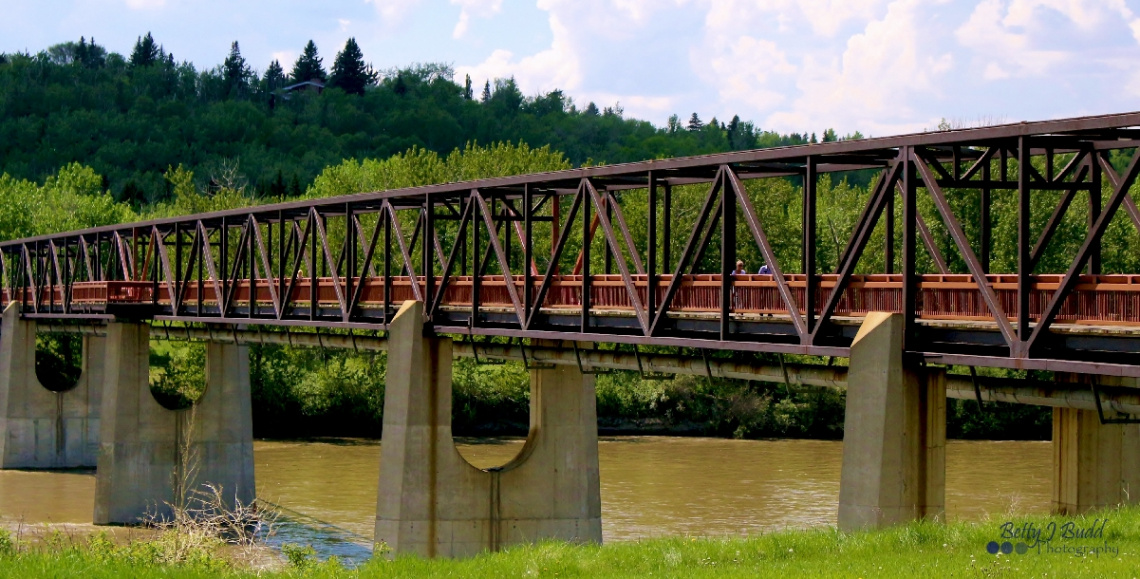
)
(880, 67)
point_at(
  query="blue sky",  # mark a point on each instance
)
(879, 66)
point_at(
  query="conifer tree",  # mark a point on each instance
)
(274, 77)
(308, 66)
(467, 94)
(695, 123)
(349, 73)
(486, 92)
(733, 131)
(146, 52)
(236, 73)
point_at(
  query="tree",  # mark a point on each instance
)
(308, 66)
(467, 94)
(236, 73)
(486, 92)
(733, 132)
(591, 110)
(274, 77)
(829, 136)
(146, 52)
(695, 123)
(349, 73)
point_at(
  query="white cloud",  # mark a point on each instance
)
(994, 71)
(878, 66)
(1002, 32)
(286, 58)
(742, 70)
(480, 8)
(393, 11)
(555, 67)
(145, 4)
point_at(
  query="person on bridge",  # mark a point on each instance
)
(764, 270)
(739, 268)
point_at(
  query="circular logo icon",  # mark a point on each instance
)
(992, 547)
(1022, 548)
(1007, 547)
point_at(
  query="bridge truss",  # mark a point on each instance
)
(505, 256)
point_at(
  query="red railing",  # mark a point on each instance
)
(1096, 299)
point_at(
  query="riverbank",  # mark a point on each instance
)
(1110, 546)
(299, 393)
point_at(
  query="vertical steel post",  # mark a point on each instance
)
(284, 299)
(1024, 242)
(1095, 201)
(314, 279)
(728, 253)
(666, 228)
(809, 231)
(349, 257)
(607, 252)
(429, 256)
(223, 268)
(174, 299)
(651, 253)
(889, 233)
(528, 250)
(476, 266)
(387, 217)
(910, 244)
(555, 224)
(585, 322)
(200, 230)
(984, 236)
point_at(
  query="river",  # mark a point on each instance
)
(651, 486)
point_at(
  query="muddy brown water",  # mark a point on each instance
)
(651, 486)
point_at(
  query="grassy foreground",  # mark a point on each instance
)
(955, 550)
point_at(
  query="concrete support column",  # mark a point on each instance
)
(551, 490)
(894, 440)
(150, 457)
(433, 503)
(1094, 465)
(138, 446)
(219, 439)
(41, 428)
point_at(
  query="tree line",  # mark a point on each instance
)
(130, 117)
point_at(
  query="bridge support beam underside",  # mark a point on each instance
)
(894, 441)
(1095, 464)
(432, 502)
(43, 428)
(152, 459)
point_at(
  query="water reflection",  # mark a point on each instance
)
(651, 486)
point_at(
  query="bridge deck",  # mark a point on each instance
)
(1096, 300)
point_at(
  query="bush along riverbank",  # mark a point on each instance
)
(309, 392)
(313, 392)
(1102, 544)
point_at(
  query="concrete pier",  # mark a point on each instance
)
(432, 502)
(1094, 465)
(151, 458)
(894, 439)
(220, 436)
(42, 428)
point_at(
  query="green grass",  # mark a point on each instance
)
(920, 549)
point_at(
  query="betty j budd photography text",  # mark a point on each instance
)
(1052, 538)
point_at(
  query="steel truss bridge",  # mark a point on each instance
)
(504, 256)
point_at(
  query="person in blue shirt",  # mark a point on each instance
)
(764, 269)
